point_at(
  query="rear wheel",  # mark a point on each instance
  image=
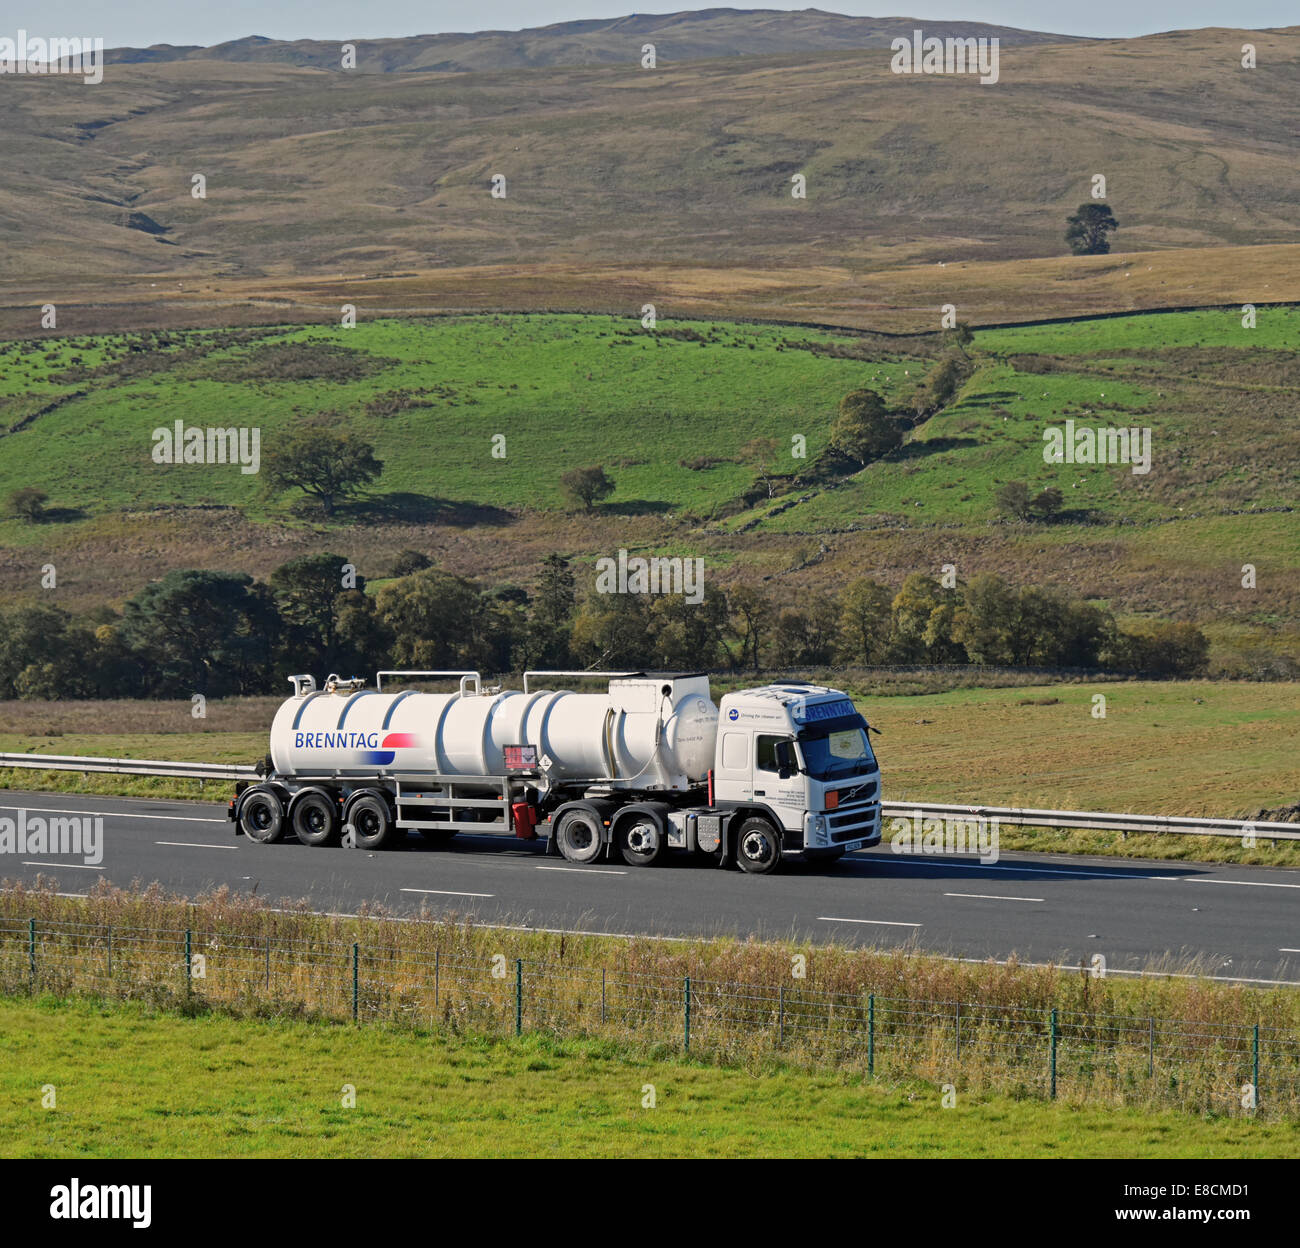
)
(261, 816)
(315, 817)
(578, 834)
(641, 841)
(758, 848)
(371, 822)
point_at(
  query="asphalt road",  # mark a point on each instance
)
(1240, 922)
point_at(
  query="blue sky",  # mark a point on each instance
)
(142, 22)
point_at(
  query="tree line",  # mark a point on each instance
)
(222, 633)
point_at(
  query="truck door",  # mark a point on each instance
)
(787, 796)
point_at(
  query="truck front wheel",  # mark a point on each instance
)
(578, 834)
(758, 848)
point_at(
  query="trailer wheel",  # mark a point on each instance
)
(758, 848)
(262, 816)
(578, 834)
(372, 822)
(641, 841)
(314, 817)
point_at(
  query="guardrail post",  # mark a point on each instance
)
(519, 996)
(871, 1034)
(1254, 1075)
(356, 962)
(688, 1013)
(31, 952)
(1053, 1024)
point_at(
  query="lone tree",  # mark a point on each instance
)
(586, 486)
(1088, 230)
(764, 456)
(1014, 499)
(330, 467)
(29, 503)
(865, 429)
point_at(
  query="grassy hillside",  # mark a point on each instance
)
(669, 414)
(322, 173)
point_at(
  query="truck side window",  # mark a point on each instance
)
(765, 753)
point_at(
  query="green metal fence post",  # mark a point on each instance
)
(602, 995)
(871, 1034)
(1151, 1048)
(188, 962)
(268, 964)
(1255, 1066)
(356, 962)
(110, 950)
(780, 1033)
(519, 996)
(1053, 1055)
(437, 974)
(688, 1013)
(959, 1031)
(31, 950)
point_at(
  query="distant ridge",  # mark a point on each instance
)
(685, 36)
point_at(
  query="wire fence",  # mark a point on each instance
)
(1223, 1068)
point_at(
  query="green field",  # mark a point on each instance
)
(132, 1083)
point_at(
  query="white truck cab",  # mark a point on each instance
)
(804, 753)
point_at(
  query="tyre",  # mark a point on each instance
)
(314, 817)
(578, 834)
(758, 847)
(372, 822)
(642, 841)
(261, 816)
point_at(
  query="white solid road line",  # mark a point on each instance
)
(909, 860)
(1289, 951)
(1217, 879)
(992, 897)
(80, 866)
(111, 814)
(195, 845)
(830, 918)
(584, 870)
(446, 892)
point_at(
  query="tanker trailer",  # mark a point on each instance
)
(635, 770)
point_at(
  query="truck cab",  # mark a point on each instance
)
(802, 754)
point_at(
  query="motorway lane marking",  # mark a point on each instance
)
(584, 870)
(1216, 879)
(909, 860)
(992, 897)
(80, 866)
(1289, 951)
(446, 892)
(830, 918)
(195, 845)
(112, 814)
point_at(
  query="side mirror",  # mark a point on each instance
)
(785, 767)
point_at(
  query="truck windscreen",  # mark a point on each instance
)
(838, 748)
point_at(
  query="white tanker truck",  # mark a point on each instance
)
(650, 765)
